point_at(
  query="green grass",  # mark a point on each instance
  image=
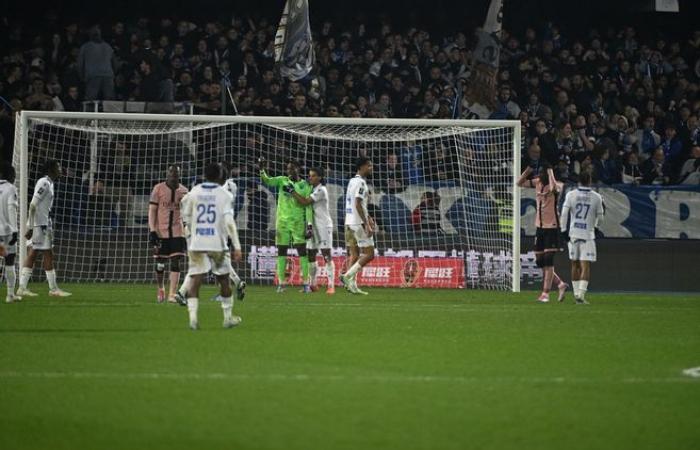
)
(401, 369)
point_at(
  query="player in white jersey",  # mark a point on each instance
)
(322, 228)
(40, 232)
(209, 216)
(359, 226)
(231, 186)
(8, 228)
(586, 210)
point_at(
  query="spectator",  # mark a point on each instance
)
(547, 143)
(631, 172)
(71, 102)
(390, 175)
(673, 148)
(689, 171)
(654, 169)
(605, 169)
(532, 158)
(426, 217)
(95, 66)
(648, 138)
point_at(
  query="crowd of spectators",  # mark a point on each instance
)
(624, 105)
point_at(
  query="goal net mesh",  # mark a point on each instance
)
(442, 195)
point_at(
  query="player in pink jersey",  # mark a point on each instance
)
(166, 235)
(547, 223)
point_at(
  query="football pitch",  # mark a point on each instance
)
(400, 369)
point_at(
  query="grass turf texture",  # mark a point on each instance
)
(401, 369)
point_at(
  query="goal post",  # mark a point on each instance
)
(444, 192)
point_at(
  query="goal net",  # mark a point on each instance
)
(442, 191)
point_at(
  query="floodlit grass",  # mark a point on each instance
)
(401, 369)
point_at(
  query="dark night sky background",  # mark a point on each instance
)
(577, 16)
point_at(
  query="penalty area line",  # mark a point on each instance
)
(301, 377)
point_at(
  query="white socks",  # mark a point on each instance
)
(192, 307)
(580, 288)
(51, 278)
(24, 276)
(185, 285)
(330, 271)
(11, 276)
(233, 276)
(353, 270)
(313, 270)
(227, 307)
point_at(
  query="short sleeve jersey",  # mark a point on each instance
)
(205, 211)
(8, 208)
(168, 221)
(43, 199)
(357, 188)
(585, 209)
(322, 215)
(547, 216)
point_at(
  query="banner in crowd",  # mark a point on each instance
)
(481, 86)
(294, 50)
(642, 212)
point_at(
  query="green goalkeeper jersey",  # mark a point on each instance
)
(288, 209)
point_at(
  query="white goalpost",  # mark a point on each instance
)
(443, 192)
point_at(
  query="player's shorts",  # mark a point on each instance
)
(9, 249)
(171, 247)
(290, 232)
(582, 250)
(42, 238)
(218, 263)
(355, 235)
(547, 239)
(322, 239)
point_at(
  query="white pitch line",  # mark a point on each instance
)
(300, 377)
(693, 372)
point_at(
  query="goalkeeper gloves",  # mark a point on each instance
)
(262, 164)
(13, 240)
(309, 231)
(153, 239)
(288, 188)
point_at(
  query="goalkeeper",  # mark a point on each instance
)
(293, 225)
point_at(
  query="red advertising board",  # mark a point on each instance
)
(392, 272)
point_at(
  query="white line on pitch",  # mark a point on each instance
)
(693, 372)
(300, 377)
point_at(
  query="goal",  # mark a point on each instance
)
(443, 191)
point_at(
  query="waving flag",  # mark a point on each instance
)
(481, 87)
(294, 51)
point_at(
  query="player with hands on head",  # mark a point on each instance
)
(9, 208)
(547, 223)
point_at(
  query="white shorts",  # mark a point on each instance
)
(323, 239)
(42, 238)
(9, 249)
(218, 263)
(356, 235)
(582, 250)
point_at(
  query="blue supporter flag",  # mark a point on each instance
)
(294, 50)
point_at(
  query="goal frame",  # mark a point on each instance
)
(23, 141)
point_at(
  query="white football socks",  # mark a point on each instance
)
(24, 276)
(11, 277)
(227, 307)
(582, 288)
(185, 285)
(51, 278)
(192, 307)
(353, 270)
(330, 271)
